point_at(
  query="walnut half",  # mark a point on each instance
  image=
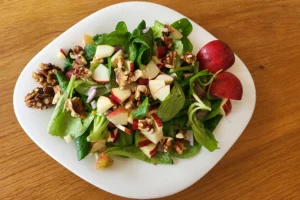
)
(45, 75)
(40, 98)
(75, 106)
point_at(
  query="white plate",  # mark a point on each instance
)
(129, 177)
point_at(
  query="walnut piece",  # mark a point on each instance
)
(125, 78)
(40, 98)
(141, 89)
(75, 106)
(189, 58)
(131, 103)
(179, 145)
(82, 72)
(166, 143)
(146, 124)
(170, 57)
(77, 54)
(58, 93)
(45, 75)
(181, 134)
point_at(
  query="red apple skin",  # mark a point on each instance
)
(153, 152)
(143, 81)
(115, 98)
(135, 124)
(63, 52)
(69, 73)
(144, 143)
(157, 119)
(227, 85)
(161, 66)
(131, 67)
(162, 51)
(215, 55)
(227, 107)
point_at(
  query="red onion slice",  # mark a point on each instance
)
(190, 137)
(92, 94)
(94, 104)
(91, 89)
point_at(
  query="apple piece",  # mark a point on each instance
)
(61, 54)
(130, 119)
(158, 125)
(215, 56)
(87, 39)
(98, 146)
(150, 150)
(113, 136)
(143, 81)
(104, 51)
(154, 85)
(104, 161)
(103, 104)
(227, 85)
(101, 74)
(168, 79)
(118, 116)
(156, 60)
(225, 107)
(119, 95)
(153, 136)
(143, 141)
(124, 129)
(152, 70)
(129, 65)
(186, 75)
(162, 92)
(68, 139)
(115, 57)
(176, 34)
(162, 51)
(135, 124)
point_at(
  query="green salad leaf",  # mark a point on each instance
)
(82, 87)
(189, 151)
(83, 147)
(142, 110)
(135, 152)
(173, 103)
(89, 51)
(212, 123)
(99, 129)
(184, 26)
(123, 140)
(121, 27)
(59, 108)
(62, 81)
(157, 29)
(68, 62)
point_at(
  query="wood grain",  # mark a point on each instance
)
(265, 161)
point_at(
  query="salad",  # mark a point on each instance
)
(139, 94)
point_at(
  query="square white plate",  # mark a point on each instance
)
(129, 177)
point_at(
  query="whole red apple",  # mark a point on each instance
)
(215, 55)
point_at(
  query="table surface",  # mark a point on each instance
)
(263, 164)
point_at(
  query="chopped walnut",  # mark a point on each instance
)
(189, 58)
(131, 103)
(146, 124)
(167, 40)
(181, 134)
(82, 72)
(170, 57)
(58, 94)
(141, 89)
(77, 54)
(75, 106)
(166, 143)
(120, 62)
(179, 145)
(124, 78)
(45, 75)
(40, 98)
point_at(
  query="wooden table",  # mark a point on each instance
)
(265, 161)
